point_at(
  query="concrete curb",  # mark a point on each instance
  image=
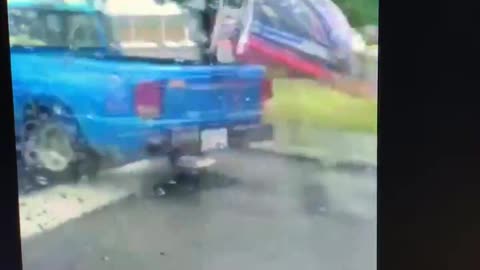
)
(322, 161)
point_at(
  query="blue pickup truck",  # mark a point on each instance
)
(81, 105)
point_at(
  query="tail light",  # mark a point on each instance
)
(148, 100)
(267, 90)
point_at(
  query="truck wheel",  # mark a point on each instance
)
(50, 149)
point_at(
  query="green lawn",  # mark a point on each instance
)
(307, 104)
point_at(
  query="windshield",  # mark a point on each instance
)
(50, 28)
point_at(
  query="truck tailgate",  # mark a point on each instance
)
(212, 93)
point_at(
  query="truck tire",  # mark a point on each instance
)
(51, 149)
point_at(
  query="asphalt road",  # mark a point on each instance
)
(264, 217)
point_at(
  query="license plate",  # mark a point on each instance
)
(214, 139)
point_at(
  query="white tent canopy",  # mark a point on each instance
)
(143, 8)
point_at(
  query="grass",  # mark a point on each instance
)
(305, 103)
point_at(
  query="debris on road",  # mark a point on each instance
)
(49, 208)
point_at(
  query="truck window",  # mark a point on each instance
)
(82, 31)
(41, 28)
(153, 36)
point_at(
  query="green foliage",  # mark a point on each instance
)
(305, 103)
(360, 12)
(25, 40)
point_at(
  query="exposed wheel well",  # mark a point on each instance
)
(87, 158)
(46, 105)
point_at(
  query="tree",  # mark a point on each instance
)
(360, 12)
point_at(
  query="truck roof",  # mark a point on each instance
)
(60, 5)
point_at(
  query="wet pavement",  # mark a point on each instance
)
(253, 211)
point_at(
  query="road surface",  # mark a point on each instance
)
(258, 212)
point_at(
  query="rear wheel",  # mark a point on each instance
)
(50, 149)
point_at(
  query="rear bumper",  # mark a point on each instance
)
(127, 140)
(239, 136)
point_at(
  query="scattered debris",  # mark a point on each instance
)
(193, 181)
(159, 191)
(55, 205)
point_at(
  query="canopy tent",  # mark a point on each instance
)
(143, 8)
